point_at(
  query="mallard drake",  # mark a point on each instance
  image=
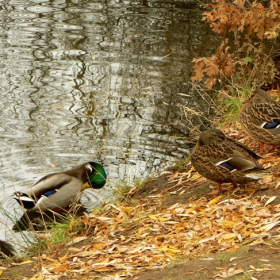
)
(59, 190)
(260, 118)
(225, 160)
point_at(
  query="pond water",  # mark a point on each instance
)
(104, 81)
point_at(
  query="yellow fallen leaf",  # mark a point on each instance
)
(63, 258)
(153, 217)
(229, 223)
(190, 210)
(22, 263)
(215, 200)
(162, 219)
(170, 249)
(99, 245)
(127, 209)
(195, 176)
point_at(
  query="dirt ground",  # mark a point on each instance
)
(253, 262)
(248, 262)
(260, 262)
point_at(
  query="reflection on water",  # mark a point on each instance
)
(95, 80)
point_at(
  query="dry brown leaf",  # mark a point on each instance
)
(230, 272)
(76, 240)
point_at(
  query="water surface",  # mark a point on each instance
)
(104, 81)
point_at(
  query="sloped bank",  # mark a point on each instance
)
(172, 228)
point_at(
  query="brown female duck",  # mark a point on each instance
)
(260, 118)
(224, 160)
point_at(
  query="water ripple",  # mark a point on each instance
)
(94, 80)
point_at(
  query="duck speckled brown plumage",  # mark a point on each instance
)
(224, 160)
(260, 118)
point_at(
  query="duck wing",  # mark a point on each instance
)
(61, 197)
(241, 157)
(231, 155)
(238, 146)
(48, 183)
(265, 112)
(56, 190)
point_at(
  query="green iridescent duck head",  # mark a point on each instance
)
(97, 178)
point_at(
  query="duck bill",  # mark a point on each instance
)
(85, 186)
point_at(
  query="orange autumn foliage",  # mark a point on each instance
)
(251, 25)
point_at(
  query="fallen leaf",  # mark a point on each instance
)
(230, 272)
(23, 263)
(76, 240)
(270, 200)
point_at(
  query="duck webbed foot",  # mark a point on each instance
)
(218, 190)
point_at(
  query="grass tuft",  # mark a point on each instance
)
(230, 103)
(181, 164)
